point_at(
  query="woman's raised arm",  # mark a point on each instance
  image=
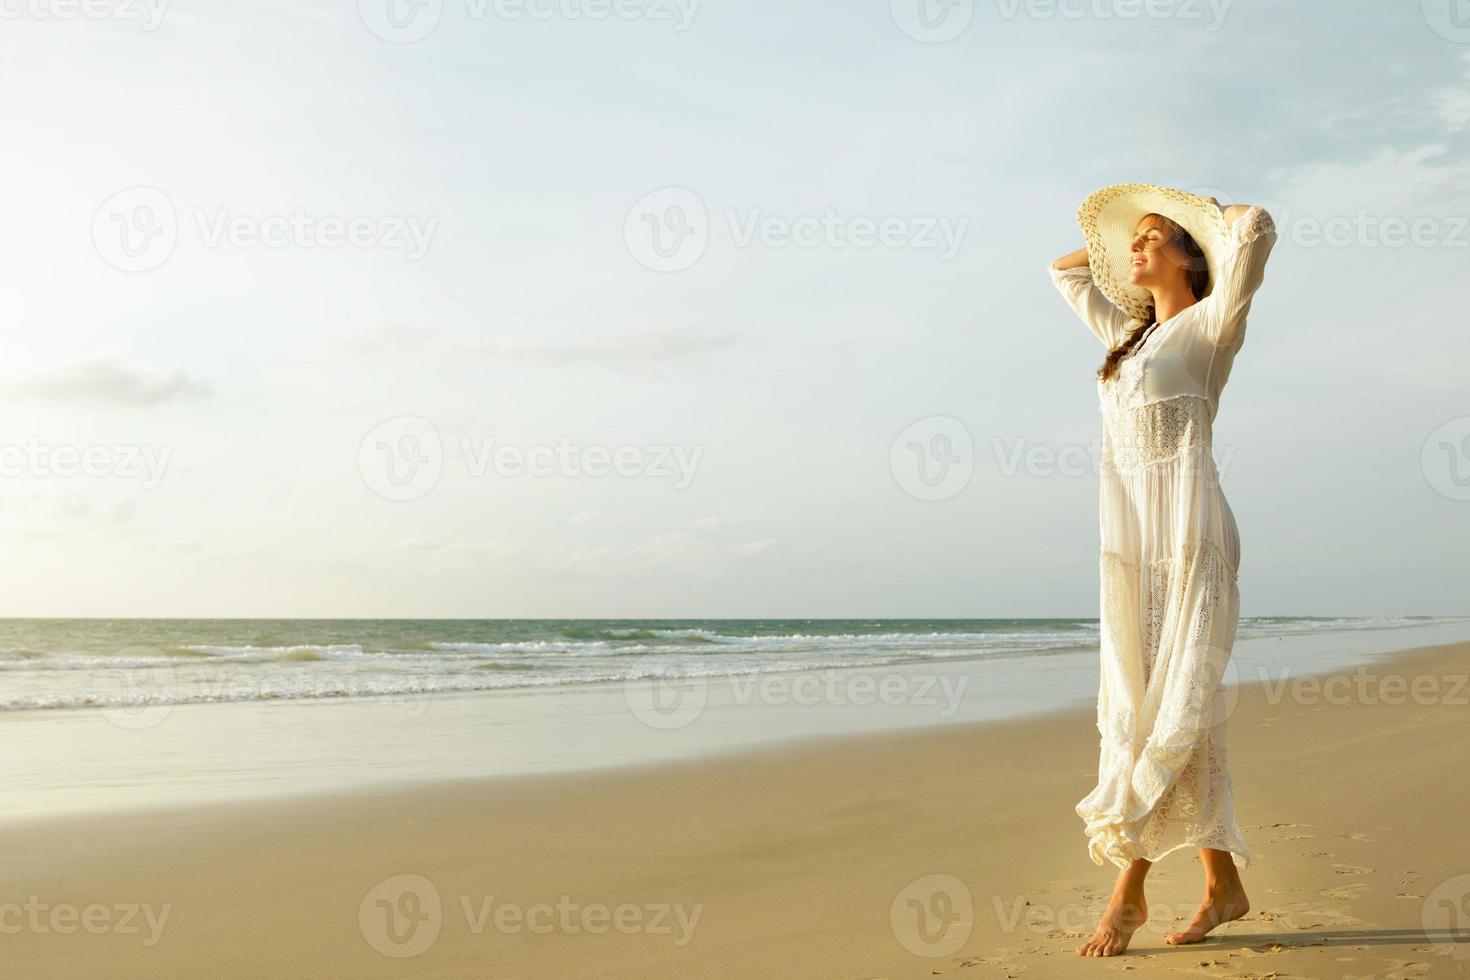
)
(1072, 277)
(1072, 260)
(1242, 270)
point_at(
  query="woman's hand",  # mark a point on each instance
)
(1233, 211)
(1072, 260)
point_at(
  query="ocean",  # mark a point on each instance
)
(79, 663)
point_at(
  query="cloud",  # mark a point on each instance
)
(49, 515)
(1453, 104)
(387, 338)
(634, 347)
(631, 347)
(749, 549)
(108, 380)
(597, 518)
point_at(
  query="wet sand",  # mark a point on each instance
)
(947, 851)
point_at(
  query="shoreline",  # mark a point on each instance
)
(804, 858)
(100, 760)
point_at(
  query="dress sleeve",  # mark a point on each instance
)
(1090, 303)
(1242, 270)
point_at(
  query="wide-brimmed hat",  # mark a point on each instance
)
(1109, 218)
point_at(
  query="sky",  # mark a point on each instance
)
(635, 308)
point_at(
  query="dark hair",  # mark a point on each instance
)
(1197, 272)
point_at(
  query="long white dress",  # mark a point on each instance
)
(1169, 600)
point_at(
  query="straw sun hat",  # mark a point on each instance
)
(1108, 218)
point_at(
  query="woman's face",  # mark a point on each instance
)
(1153, 259)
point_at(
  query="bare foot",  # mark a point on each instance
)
(1124, 914)
(1216, 909)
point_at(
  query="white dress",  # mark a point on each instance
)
(1169, 601)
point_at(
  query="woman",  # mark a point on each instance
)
(1165, 282)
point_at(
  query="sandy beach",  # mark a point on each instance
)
(947, 851)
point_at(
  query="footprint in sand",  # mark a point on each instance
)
(1006, 967)
(1344, 892)
(1351, 869)
(1302, 917)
